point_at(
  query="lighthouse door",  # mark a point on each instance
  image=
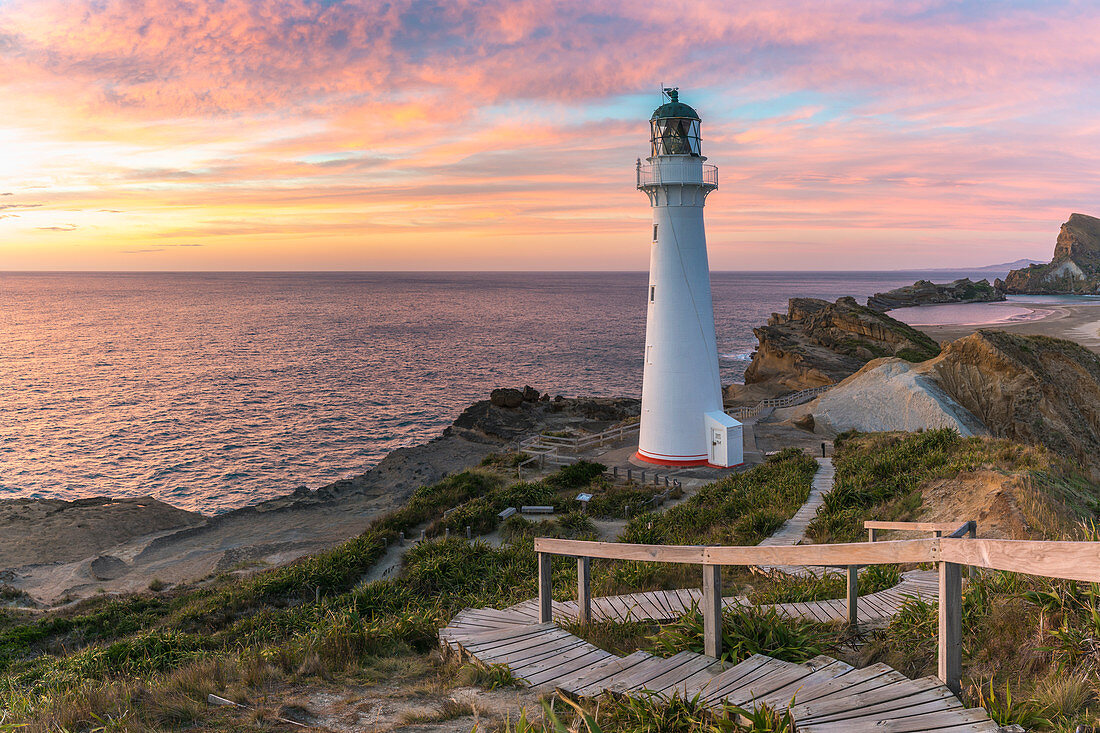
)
(716, 452)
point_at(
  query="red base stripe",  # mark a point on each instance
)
(682, 463)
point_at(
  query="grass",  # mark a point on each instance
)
(748, 630)
(879, 475)
(137, 660)
(797, 589)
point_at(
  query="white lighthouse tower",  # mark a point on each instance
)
(682, 422)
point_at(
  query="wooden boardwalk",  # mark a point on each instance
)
(825, 695)
(667, 605)
(793, 531)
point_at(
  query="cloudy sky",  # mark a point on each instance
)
(411, 134)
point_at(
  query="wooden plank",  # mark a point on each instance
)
(588, 684)
(519, 666)
(770, 666)
(950, 625)
(695, 664)
(785, 694)
(631, 679)
(1069, 560)
(856, 679)
(660, 598)
(917, 526)
(856, 553)
(689, 554)
(766, 684)
(883, 693)
(546, 614)
(852, 605)
(930, 701)
(503, 647)
(553, 671)
(954, 721)
(584, 590)
(712, 611)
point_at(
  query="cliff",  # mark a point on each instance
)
(924, 292)
(1033, 389)
(1074, 268)
(817, 342)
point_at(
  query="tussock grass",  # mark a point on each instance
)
(879, 475)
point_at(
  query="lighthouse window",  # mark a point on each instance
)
(654, 232)
(652, 293)
(676, 136)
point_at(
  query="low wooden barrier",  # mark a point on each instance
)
(1069, 560)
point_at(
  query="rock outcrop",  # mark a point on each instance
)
(925, 292)
(886, 395)
(1034, 389)
(817, 343)
(1075, 267)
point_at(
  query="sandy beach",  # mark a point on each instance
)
(1076, 320)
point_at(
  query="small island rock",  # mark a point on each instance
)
(925, 292)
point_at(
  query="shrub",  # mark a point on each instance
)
(748, 630)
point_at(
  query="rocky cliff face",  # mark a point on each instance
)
(1034, 389)
(817, 342)
(924, 292)
(1075, 267)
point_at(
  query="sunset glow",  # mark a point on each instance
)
(362, 135)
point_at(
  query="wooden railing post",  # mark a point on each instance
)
(973, 534)
(584, 590)
(872, 534)
(950, 636)
(545, 608)
(712, 611)
(853, 595)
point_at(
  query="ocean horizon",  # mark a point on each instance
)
(214, 390)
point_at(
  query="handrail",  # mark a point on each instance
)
(1054, 559)
(856, 553)
(787, 400)
(953, 529)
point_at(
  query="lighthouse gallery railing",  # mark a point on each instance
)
(651, 174)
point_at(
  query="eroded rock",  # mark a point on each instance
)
(817, 343)
(1074, 268)
(925, 292)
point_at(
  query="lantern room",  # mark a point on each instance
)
(674, 128)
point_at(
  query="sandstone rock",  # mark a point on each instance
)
(817, 343)
(1033, 389)
(885, 395)
(805, 422)
(530, 394)
(924, 292)
(1074, 268)
(506, 397)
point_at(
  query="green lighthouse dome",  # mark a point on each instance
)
(674, 108)
(674, 128)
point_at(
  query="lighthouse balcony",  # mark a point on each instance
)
(684, 171)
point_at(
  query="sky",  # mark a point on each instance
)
(480, 135)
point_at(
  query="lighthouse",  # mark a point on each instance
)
(682, 421)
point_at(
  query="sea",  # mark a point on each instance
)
(213, 391)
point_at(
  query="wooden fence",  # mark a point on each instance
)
(787, 400)
(1069, 560)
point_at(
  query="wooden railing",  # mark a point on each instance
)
(787, 400)
(1069, 560)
